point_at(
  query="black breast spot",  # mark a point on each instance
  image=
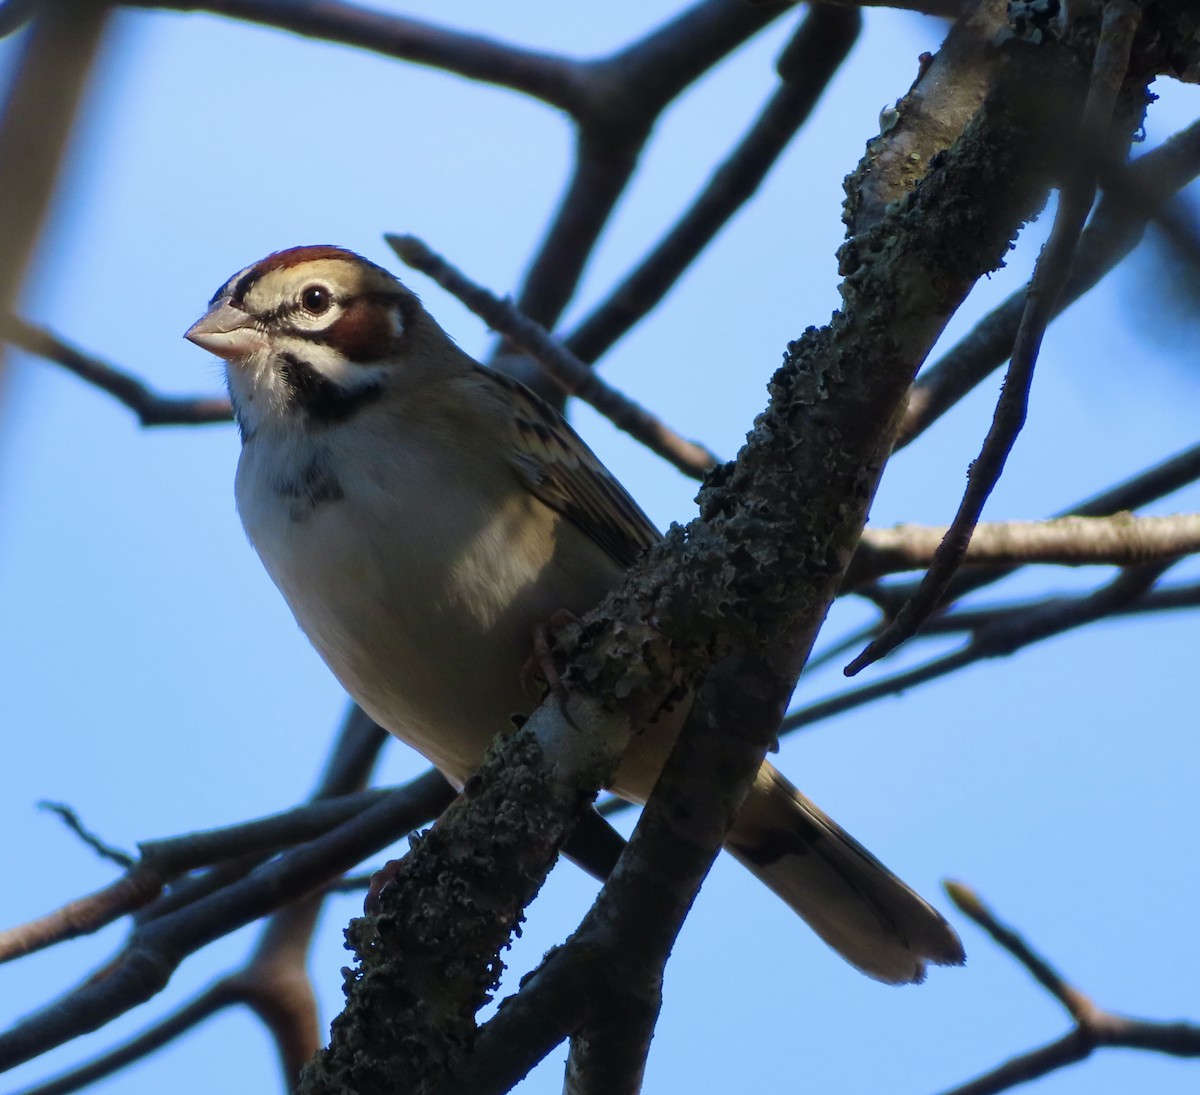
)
(315, 485)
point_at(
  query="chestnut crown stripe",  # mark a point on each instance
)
(239, 284)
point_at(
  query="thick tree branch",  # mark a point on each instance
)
(603, 986)
(928, 118)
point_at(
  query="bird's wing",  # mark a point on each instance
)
(552, 460)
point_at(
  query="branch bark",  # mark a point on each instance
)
(1120, 540)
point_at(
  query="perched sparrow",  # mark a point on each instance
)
(423, 515)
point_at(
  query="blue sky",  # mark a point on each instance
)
(155, 681)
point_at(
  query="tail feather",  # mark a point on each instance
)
(850, 899)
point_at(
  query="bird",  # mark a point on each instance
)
(423, 515)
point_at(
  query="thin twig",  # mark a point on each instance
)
(1131, 197)
(163, 860)
(1054, 265)
(274, 983)
(571, 374)
(806, 66)
(213, 999)
(1094, 1027)
(1141, 489)
(628, 91)
(553, 79)
(98, 845)
(1078, 1006)
(998, 638)
(151, 408)
(155, 949)
(257, 986)
(1181, 595)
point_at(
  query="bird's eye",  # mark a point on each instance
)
(316, 299)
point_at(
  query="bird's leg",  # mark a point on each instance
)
(539, 666)
(380, 881)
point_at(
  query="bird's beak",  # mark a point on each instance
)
(226, 331)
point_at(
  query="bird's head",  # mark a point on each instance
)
(311, 335)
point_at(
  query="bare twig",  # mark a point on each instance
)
(1180, 595)
(571, 374)
(274, 984)
(161, 861)
(151, 408)
(212, 1000)
(156, 948)
(1054, 264)
(553, 79)
(1119, 540)
(807, 64)
(628, 91)
(1076, 1004)
(98, 845)
(997, 638)
(1148, 486)
(1094, 1027)
(1130, 199)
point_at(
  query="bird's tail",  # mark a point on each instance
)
(850, 899)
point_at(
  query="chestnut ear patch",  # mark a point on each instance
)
(367, 328)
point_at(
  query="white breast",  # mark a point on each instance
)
(419, 579)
